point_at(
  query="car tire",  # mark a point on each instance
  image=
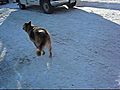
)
(7, 1)
(46, 6)
(21, 6)
(71, 5)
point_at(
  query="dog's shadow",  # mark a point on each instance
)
(23, 62)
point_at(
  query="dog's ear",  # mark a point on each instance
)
(29, 23)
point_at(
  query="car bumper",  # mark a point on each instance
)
(60, 2)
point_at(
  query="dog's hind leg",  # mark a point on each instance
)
(50, 52)
(43, 52)
(38, 52)
(35, 44)
(41, 49)
(50, 48)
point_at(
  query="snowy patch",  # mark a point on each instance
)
(118, 81)
(3, 51)
(4, 13)
(109, 9)
(112, 15)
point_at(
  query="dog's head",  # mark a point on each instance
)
(27, 26)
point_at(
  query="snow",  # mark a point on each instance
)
(86, 47)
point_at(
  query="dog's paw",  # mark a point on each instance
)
(43, 53)
(38, 52)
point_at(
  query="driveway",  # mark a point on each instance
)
(86, 49)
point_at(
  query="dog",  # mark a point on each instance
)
(40, 37)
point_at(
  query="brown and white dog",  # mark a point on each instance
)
(40, 37)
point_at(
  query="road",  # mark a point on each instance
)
(86, 48)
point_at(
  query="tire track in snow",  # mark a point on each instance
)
(3, 51)
(19, 78)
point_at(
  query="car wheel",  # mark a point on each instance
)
(46, 6)
(1, 2)
(71, 5)
(21, 6)
(7, 1)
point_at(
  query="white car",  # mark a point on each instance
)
(46, 5)
(4, 1)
